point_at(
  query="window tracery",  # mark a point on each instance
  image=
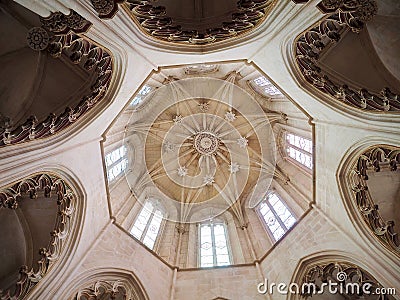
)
(213, 244)
(298, 149)
(143, 92)
(116, 162)
(262, 85)
(276, 215)
(148, 224)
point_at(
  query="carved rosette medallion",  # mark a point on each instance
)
(37, 38)
(206, 143)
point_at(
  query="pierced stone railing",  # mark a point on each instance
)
(375, 159)
(155, 21)
(57, 36)
(49, 184)
(342, 16)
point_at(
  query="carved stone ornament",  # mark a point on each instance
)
(91, 57)
(58, 23)
(375, 159)
(66, 202)
(206, 143)
(105, 290)
(155, 21)
(106, 8)
(363, 10)
(311, 43)
(37, 38)
(204, 106)
(341, 273)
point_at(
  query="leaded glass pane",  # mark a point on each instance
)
(116, 162)
(115, 155)
(273, 198)
(206, 251)
(302, 158)
(152, 230)
(142, 220)
(207, 261)
(299, 142)
(149, 243)
(264, 208)
(300, 149)
(289, 222)
(136, 232)
(274, 209)
(221, 248)
(278, 233)
(266, 87)
(223, 260)
(261, 81)
(273, 223)
(141, 95)
(213, 245)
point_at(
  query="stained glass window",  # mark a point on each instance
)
(264, 86)
(147, 224)
(141, 95)
(116, 162)
(276, 215)
(213, 245)
(299, 149)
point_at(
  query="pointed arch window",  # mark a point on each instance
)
(265, 87)
(213, 241)
(299, 149)
(276, 216)
(148, 223)
(116, 162)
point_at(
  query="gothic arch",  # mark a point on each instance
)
(62, 198)
(325, 266)
(370, 156)
(94, 284)
(305, 54)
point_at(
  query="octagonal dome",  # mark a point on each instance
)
(200, 141)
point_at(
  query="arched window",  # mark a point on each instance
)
(116, 162)
(146, 89)
(276, 216)
(213, 245)
(148, 224)
(265, 87)
(299, 149)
